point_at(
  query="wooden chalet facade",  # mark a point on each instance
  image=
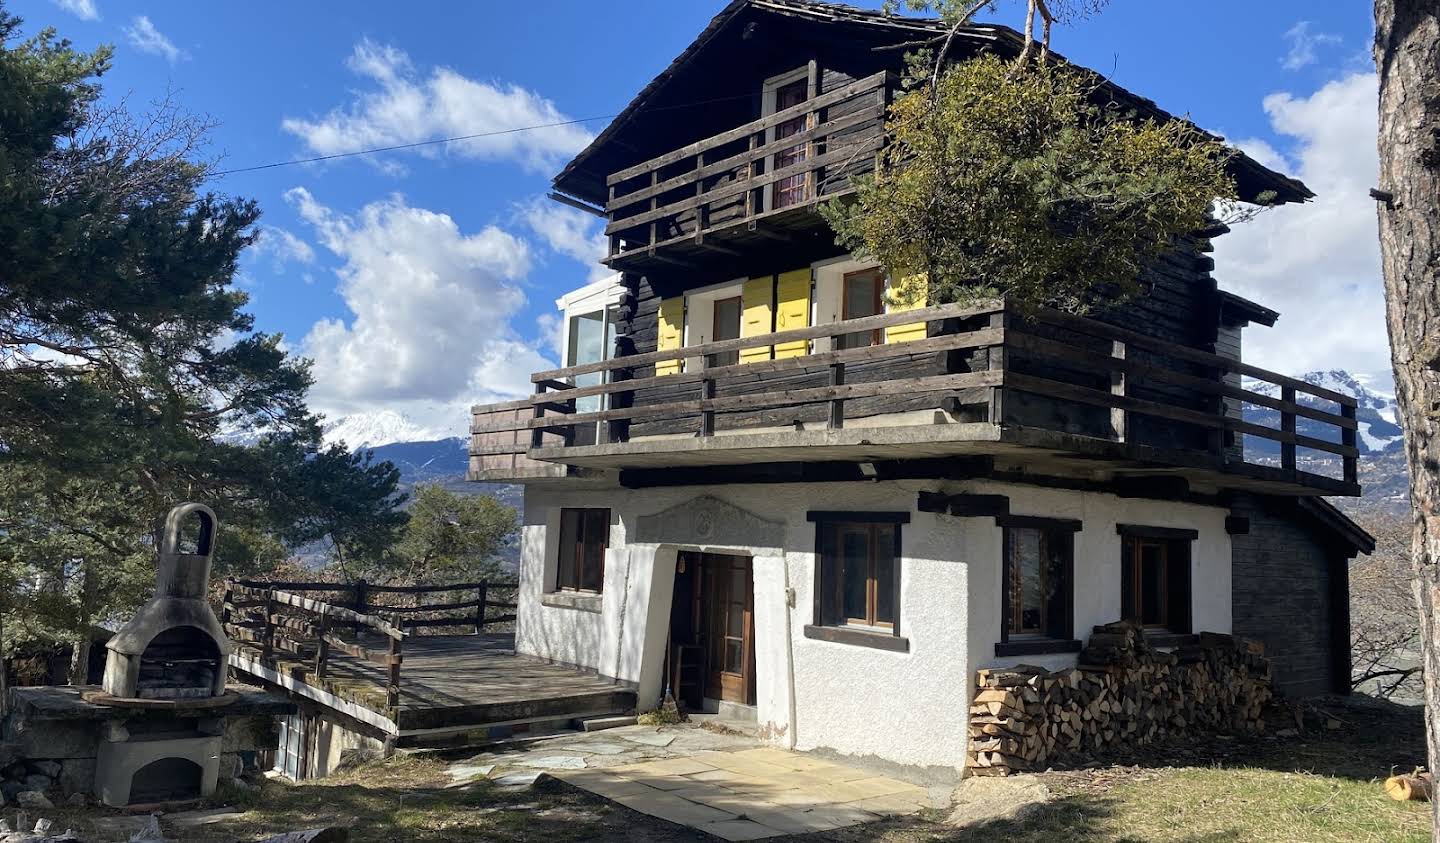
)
(765, 480)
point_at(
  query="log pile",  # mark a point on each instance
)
(1122, 694)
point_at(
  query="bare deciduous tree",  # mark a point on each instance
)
(1384, 637)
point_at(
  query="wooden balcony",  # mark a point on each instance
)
(1046, 392)
(717, 195)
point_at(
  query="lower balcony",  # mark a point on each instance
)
(1044, 393)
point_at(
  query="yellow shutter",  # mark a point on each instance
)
(792, 310)
(757, 300)
(671, 334)
(909, 294)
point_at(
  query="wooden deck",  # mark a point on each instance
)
(451, 684)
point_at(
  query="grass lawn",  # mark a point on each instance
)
(1319, 786)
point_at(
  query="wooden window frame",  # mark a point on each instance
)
(1058, 640)
(1176, 571)
(573, 556)
(877, 336)
(822, 620)
(770, 90)
(730, 357)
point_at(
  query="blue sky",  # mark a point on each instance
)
(422, 281)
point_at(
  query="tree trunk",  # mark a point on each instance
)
(80, 648)
(1407, 59)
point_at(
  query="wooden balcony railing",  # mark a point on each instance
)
(720, 182)
(278, 620)
(1050, 355)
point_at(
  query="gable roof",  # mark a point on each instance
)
(1251, 177)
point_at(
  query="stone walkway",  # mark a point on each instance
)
(724, 785)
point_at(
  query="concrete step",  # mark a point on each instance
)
(596, 724)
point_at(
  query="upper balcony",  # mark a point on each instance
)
(708, 199)
(1046, 393)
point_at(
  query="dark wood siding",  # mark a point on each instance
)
(1289, 583)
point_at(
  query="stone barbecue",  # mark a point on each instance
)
(163, 727)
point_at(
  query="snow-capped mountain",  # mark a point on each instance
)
(380, 427)
(1375, 415)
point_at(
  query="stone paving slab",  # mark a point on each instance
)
(721, 784)
(752, 794)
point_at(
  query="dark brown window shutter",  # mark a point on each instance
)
(1128, 610)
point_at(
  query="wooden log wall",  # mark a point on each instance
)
(1123, 694)
(1289, 588)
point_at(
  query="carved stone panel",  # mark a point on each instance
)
(707, 520)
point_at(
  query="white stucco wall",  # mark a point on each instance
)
(907, 708)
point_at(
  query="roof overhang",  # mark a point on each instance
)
(578, 179)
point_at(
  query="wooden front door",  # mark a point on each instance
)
(727, 596)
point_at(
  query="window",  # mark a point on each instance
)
(861, 295)
(782, 92)
(1155, 577)
(857, 572)
(589, 342)
(290, 751)
(584, 536)
(1037, 588)
(726, 326)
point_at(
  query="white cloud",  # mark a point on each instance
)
(282, 248)
(430, 307)
(1304, 45)
(405, 107)
(570, 232)
(1317, 263)
(146, 38)
(82, 9)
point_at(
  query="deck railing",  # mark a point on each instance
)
(277, 618)
(733, 169)
(1007, 353)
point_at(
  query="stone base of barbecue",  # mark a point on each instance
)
(169, 770)
(53, 731)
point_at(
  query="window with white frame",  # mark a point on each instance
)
(781, 92)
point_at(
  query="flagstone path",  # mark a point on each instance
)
(723, 785)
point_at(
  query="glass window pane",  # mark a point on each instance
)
(597, 530)
(587, 345)
(884, 574)
(861, 297)
(1057, 596)
(570, 529)
(733, 656)
(1152, 584)
(1027, 582)
(855, 557)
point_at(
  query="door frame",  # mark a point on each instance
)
(702, 608)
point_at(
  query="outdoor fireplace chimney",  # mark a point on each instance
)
(174, 647)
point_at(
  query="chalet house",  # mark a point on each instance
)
(766, 485)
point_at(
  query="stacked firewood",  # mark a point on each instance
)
(1122, 694)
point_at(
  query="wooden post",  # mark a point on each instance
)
(654, 204)
(1347, 438)
(480, 610)
(392, 695)
(837, 405)
(1287, 425)
(362, 597)
(322, 648)
(707, 417)
(702, 210)
(536, 435)
(267, 644)
(995, 362)
(1118, 416)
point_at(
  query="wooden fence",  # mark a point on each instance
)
(1055, 356)
(277, 618)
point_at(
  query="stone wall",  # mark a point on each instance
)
(1125, 693)
(50, 739)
